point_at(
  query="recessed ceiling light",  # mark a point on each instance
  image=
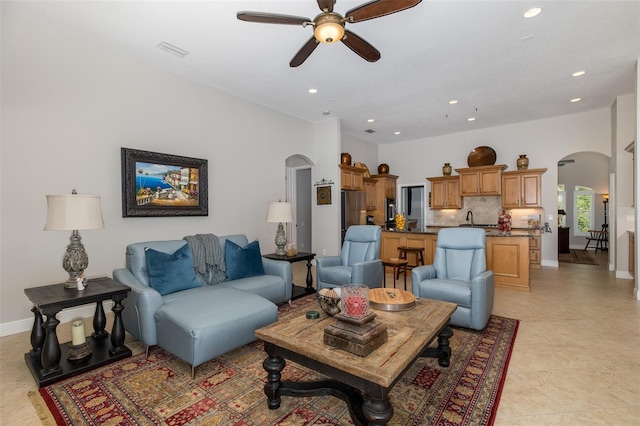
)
(578, 73)
(396, 133)
(534, 11)
(453, 101)
(471, 119)
(575, 100)
(371, 120)
(312, 91)
(326, 112)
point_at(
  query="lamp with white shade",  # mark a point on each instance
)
(280, 212)
(73, 212)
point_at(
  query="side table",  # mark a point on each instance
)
(298, 291)
(47, 359)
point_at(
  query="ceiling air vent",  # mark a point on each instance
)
(174, 50)
(370, 131)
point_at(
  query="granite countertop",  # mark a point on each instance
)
(433, 230)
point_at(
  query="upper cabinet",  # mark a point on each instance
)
(386, 185)
(522, 188)
(351, 178)
(370, 190)
(481, 180)
(445, 192)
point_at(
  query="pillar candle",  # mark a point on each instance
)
(77, 333)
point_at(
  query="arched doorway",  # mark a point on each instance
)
(579, 174)
(299, 192)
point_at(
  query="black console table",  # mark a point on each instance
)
(47, 359)
(298, 291)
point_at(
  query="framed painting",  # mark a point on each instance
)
(323, 195)
(156, 184)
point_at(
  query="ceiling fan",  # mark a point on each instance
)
(329, 25)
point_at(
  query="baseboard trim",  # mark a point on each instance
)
(550, 263)
(20, 326)
(624, 275)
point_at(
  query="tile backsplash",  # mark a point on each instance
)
(485, 211)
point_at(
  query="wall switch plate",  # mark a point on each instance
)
(550, 217)
(452, 218)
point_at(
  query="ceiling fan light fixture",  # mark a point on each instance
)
(328, 28)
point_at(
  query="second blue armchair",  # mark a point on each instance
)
(458, 275)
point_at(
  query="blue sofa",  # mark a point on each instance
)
(201, 323)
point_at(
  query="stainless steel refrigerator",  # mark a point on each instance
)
(354, 210)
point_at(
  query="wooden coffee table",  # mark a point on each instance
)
(363, 382)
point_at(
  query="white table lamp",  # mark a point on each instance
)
(72, 212)
(280, 212)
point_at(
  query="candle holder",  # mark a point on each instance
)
(80, 351)
(79, 347)
(354, 301)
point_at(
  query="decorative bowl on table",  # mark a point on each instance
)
(329, 300)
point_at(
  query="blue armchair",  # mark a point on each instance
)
(358, 263)
(459, 275)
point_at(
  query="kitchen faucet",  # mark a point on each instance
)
(470, 213)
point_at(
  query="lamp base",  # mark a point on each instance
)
(281, 241)
(75, 260)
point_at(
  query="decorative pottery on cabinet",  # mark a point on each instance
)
(522, 162)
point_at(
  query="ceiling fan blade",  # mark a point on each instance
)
(326, 4)
(360, 46)
(304, 52)
(378, 8)
(271, 18)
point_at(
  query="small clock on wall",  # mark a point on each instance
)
(324, 195)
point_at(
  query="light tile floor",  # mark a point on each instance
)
(576, 359)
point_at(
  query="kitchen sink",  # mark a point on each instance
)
(478, 225)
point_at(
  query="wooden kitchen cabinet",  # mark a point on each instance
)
(508, 258)
(370, 190)
(351, 178)
(445, 193)
(391, 240)
(534, 250)
(522, 188)
(386, 186)
(481, 180)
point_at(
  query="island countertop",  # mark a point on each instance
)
(507, 253)
(491, 232)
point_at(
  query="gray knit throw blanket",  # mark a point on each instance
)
(207, 258)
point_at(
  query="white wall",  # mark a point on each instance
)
(361, 151)
(622, 207)
(544, 142)
(68, 107)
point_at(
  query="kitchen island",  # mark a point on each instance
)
(507, 254)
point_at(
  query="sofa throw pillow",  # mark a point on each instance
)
(242, 262)
(169, 273)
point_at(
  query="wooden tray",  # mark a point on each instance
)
(391, 299)
(482, 156)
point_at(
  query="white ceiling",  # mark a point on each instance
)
(501, 67)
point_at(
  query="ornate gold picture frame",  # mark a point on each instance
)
(324, 195)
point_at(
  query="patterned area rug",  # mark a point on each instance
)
(228, 390)
(583, 257)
